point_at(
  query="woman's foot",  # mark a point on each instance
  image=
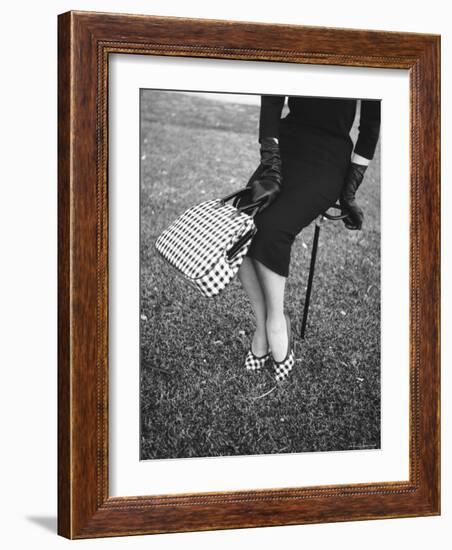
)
(258, 353)
(259, 343)
(284, 362)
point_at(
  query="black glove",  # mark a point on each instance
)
(265, 183)
(353, 179)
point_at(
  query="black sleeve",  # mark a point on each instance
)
(270, 115)
(369, 128)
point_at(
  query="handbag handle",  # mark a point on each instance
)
(254, 206)
(234, 194)
(235, 249)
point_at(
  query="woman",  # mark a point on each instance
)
(307, 163)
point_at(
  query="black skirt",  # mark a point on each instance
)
(314, 163)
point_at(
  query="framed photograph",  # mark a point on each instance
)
(248, 275)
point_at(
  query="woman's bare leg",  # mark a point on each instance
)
(250, 282)
(273, 286)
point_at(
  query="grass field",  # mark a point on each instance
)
(196, 398)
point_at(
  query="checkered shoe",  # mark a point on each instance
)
(253, 362)
(283, 368)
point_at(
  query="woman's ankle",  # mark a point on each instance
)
(277, 337)
(276, 323)
(259, 342)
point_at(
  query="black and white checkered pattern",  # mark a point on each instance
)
(283, 368)
(196, 244)
(253, 363)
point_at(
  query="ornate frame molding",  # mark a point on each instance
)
(85, 42)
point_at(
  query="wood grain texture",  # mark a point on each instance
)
(85, 42)
(64, 295)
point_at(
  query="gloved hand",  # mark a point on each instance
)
(353, 179)
(265, 183)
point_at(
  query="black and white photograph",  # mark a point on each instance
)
(259, 274)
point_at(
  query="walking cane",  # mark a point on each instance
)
(318, 222)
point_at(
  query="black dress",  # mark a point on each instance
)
(315, 147)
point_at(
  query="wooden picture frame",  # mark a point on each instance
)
(85, 42)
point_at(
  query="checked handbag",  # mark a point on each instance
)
(208, 242)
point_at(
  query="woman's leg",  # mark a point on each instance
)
(273, 286)
(250, 282)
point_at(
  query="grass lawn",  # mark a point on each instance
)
(196, 397)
